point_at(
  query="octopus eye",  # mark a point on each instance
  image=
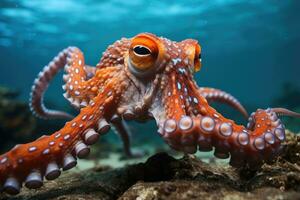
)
(143, 54)
(197, 60)
(141, 50)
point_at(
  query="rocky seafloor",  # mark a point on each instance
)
(162, 176)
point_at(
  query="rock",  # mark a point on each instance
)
(292, 150)
(180, 190)
(164, 177)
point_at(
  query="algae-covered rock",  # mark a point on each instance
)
(164, 177)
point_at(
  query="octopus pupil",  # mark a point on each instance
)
(141, 50)
(200, 56)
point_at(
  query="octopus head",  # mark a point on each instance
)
(161, 72)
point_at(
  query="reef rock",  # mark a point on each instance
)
(164, 177)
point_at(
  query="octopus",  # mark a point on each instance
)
(141, 78)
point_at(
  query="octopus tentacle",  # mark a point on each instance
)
(41, 84)
(212, 94)
(205, 128)
(38, 107)
(175, 107)
(120, 127)
(285, 112)
(65, 59)
(90, 73)
(30, 162)
(79, 87)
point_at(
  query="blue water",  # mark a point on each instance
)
(250, 48)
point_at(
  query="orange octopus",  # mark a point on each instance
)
(141, 78)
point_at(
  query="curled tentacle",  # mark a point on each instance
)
(78, 89)
(189, 123)
(41, 84)
(244, 145)
(69, 59)
(212, 94)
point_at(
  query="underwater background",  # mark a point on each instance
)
(249, 49)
